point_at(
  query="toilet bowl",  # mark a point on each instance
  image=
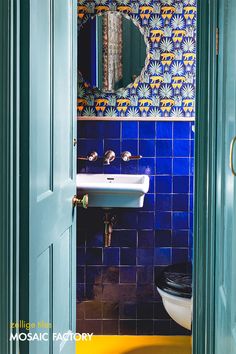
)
(174, 284)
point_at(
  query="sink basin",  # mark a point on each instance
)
(113, 191)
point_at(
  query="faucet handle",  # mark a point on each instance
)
(109, 156)
(127, 156)
(92, 156)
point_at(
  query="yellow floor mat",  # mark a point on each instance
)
(135, 345)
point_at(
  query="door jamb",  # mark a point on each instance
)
(204, 247)
(205, 180)
(9, 172)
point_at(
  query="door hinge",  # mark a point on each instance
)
(217, 40)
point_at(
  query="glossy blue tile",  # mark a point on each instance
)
(149, 202)
(111, 256)
(146, 220)
(93, 274)
(128, 310)
(146, 239)
(162, 327)
(180, 202)
(114, 167)
(81, 235)
(81, 166)
(178, 330)
(145, 256)
(145, 327)
(157, 271)
(163, 184)
(110, 275)
(163, 202)
(85, 146)
(191, 202)
(82, 130)
(80, 256)
(80, 274)
(145, 310)
(191, 220)
(180, 238)
(112, 129)
(94, 238)
(151, 184)
(191, 166)
(179, 255)
(127, 274)
(147, 130)
(163, 220)
(164, 148)
(181, 148)
(190, 239)
(94, 167)
(192, 148)
(180, 220)
(126, 219)
(89, 290)
(163, 166)
(124, 238)
(94, 256)
(163, 238)
(147, 148)
(130, 167)
(128, 256)
(181, 166)
(80, 292)
(145, 275)
(193, 128)
(182, 130)
(130, 145)
(162, 256)
(88, 129)
(191, 188)
(160, 311)
(144, 292)
(146, 166)
(129, 130)
(180, 184)
(164, 130)
(190, 255)
(112, 144)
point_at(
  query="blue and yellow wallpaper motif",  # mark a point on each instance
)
(166, 87)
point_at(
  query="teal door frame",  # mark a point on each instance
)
(14, 160)
(9, 171)
(205, 179)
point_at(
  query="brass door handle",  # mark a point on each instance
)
(80, 201)
(231, 156)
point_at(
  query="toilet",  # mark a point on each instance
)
(174, 284)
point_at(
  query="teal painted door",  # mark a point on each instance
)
(52, 172)
(225, 320)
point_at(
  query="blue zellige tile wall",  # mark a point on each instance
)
(116, 291)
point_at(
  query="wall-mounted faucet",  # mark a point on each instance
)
(109, 157)
(92, 156)
(127, 156)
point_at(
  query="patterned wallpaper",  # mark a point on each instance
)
(166, 86)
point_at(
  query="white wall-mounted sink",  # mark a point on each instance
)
(113, 191)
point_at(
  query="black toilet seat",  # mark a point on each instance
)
(176, 280)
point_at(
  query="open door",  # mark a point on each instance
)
(52, 240)
(225, 273)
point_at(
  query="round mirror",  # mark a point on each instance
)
(112, 51)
